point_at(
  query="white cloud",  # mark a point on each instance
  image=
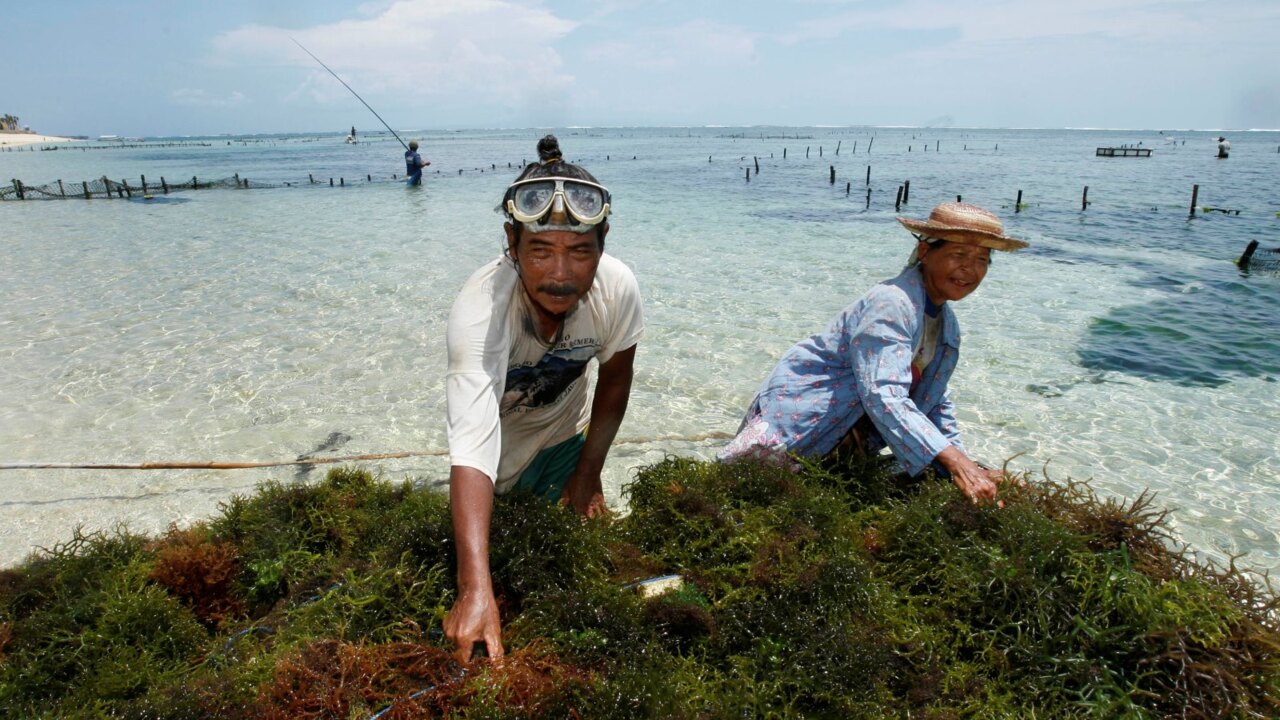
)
(489, 50)
(990, 21)
(689, 47)
(193, 97)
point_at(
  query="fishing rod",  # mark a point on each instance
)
(353, 92)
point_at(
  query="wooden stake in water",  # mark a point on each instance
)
(1248, 254)
(1084, 199)
(1195, 192)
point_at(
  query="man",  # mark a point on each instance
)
(1224, 147)
(521, 333)
(413, 164)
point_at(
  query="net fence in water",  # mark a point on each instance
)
(1260, 260)
(104, 187)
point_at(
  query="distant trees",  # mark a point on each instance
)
(9, 122)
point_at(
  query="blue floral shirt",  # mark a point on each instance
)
(860, 365)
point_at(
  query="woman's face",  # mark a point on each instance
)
(952, 270)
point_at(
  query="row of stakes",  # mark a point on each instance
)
(904, 193)
(125, 190)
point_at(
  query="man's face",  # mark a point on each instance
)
(557, 267)
(952, 270)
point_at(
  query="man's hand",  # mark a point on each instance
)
(474, 618)
(613, 389)
(585, 494)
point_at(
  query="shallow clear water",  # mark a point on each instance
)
(237, 325)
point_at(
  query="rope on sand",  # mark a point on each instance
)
(208, 465)
(213, 465)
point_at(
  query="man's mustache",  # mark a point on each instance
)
(558, 289)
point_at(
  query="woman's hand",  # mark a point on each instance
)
(977, 483)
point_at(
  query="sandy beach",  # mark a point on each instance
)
(16, 139)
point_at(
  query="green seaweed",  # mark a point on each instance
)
(839, 590)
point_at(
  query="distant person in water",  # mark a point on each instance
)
(1224, 147)
(521, 335)
(413, 164)
(877, 375)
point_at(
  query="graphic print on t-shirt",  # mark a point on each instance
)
(535, 386)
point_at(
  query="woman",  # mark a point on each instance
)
(877, 376)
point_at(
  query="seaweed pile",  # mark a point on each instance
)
(829, 592)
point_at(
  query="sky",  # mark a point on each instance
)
(150, 68)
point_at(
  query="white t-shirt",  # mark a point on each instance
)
(510, 394)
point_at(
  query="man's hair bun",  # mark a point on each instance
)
(549, 149)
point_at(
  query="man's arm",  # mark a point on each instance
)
(474, 615)
(613, 389)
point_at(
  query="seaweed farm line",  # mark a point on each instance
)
(1124, 346)
(106, 188)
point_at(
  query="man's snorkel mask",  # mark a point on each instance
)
(555, 195)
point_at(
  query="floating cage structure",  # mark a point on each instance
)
(1122, 152)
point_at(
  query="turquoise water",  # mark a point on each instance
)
(248, 325)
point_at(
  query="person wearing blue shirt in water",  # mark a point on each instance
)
(877, 376)
(413, 164)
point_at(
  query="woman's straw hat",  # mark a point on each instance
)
(964, 223)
